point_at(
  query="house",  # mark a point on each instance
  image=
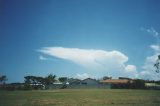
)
(73, 81)
(115, 81)
(107, 77)
(150, 85)
(86, 84)
(93, 83)
(37, 85)
(78, 84)
(89, 83)
(124, 78)
(55, 85)
(119, 83)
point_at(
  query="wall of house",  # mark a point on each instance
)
(100, 86)
(54, 86)
(85, 84)
(89, 82)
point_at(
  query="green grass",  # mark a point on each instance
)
(81, 97)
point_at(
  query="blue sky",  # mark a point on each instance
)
(28, 27)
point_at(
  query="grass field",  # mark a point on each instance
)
(81, 97)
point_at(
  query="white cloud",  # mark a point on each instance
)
(42, 58)
(109, 62)
(87, 58)
(130, 68)
(151, 31)
(156, 48)
(82, 76)
(148, 67)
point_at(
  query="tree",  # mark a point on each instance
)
(34, 82)
(27, 82)
(106, 77)
(40, 80)
(157, 64)
(50, 79)
(3, 79)
(27, 79)
(138, 84)
(62, 79)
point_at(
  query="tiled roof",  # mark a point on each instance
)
(115, 81)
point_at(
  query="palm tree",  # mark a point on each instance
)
(157, 64)
(3, 79)
(50, 79)
(62, 79)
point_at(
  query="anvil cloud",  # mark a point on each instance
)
(112, 62)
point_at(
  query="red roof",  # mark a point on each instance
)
(115, 81)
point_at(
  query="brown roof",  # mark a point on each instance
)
(115, 81)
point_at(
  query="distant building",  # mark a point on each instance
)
(89, 81)
(115, 81)
(106, 77)
(73, 81)
(86, 83)
(152, 86)
(55, 85)
(124, 78)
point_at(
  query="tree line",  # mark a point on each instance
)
(31, 82)
(38, 82)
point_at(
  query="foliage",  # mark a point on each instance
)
(134, 84)
(138, 84)
(32, 82)
(50, 79)
(157, 64)
(3, 79)
(35, 82)
(106, 77)
(62, 79)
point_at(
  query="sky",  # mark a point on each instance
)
(79, 38)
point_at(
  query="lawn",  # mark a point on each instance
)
(81, 97)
